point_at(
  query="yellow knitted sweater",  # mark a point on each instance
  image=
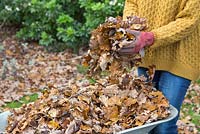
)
(176, 26)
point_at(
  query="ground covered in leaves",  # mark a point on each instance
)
(27, 70)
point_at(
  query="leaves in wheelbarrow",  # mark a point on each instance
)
(117, 99)
(95, 105)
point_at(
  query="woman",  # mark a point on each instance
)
(173, 38)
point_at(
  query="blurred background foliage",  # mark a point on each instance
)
(57, 24)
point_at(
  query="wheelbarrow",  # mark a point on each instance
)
(3, 121)
(144, 129)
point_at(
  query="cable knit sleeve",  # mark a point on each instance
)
(130, 8)
(185, 23)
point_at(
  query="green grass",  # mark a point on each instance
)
(29, 98)
(198, 81)
(24, 100)
(13, 104)
(81, 69)
(92, 81)
(1, 47)
(104, 73)
(195, 118)
(189, 110)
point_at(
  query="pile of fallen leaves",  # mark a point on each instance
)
(115, 100)
(86, 108)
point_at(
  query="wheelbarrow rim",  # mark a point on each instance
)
(173, 114)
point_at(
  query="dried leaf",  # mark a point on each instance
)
(111, 113)
(129, 101)
(114, 100)
(74, 126)
(149, 106)
(54, 112)
(104, 100)
(104, 60)
(53, 124)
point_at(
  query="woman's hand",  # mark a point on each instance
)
(143, 39)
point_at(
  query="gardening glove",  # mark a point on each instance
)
(142, 39)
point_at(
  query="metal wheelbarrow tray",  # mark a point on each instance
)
(144, 129)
